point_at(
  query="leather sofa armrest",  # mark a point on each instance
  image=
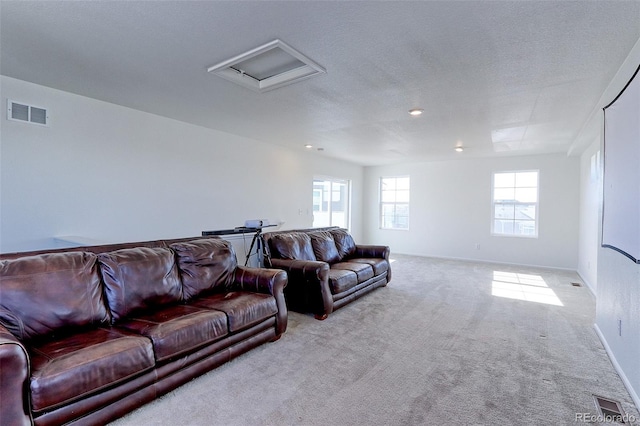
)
(307, 270)
(14, 380)
(372, 251)
(260, 280)
(268, 281)
(308, 284)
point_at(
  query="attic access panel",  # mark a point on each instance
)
(267, 67)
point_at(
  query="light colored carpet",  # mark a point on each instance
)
(446, 342)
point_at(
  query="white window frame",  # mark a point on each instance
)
(515, 203)
(394, 203)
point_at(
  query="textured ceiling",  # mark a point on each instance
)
(499, 78)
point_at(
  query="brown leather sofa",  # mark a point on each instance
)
(89, 334)
(326, 268)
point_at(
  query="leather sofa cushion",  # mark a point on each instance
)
(178, 329)
(362, 270)
(344, 242)
(139, 278)
(71, 368)
(380, 266)
(204, 265)
(292, 245)
(44, 293)
(324, 247)
(341, 280)
(243, 309)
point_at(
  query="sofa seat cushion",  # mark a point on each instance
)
(362, 270)
(380, 266)
(243, 309)
(341, 280)
(178, 329)
(70, 368)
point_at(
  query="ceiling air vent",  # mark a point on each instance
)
(267, 67)
(27, 113)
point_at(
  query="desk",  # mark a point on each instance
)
(261, 252)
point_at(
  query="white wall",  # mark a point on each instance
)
(590, 210)
(618, 278)
(114, 174)
(450, 211)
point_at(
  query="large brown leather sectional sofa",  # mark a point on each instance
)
(326, 268)
(89, 334)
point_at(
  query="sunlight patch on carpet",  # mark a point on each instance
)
(531, 288)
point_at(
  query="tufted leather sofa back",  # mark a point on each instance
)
(330, 244)
(139, 278)
(43, 293)
(48, 291)
(205, 265)
(293, 245)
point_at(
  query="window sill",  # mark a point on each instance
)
(531, 237)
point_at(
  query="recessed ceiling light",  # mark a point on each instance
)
(308, 146)
(459, 149)
(416, 111)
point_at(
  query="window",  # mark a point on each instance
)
(515, 204)
(394, 202)
(330, 203)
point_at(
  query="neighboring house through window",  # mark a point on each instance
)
(515, 203)
(394, 202)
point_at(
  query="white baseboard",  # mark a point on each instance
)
(627, 384)
(496, 262)
(588, 284)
